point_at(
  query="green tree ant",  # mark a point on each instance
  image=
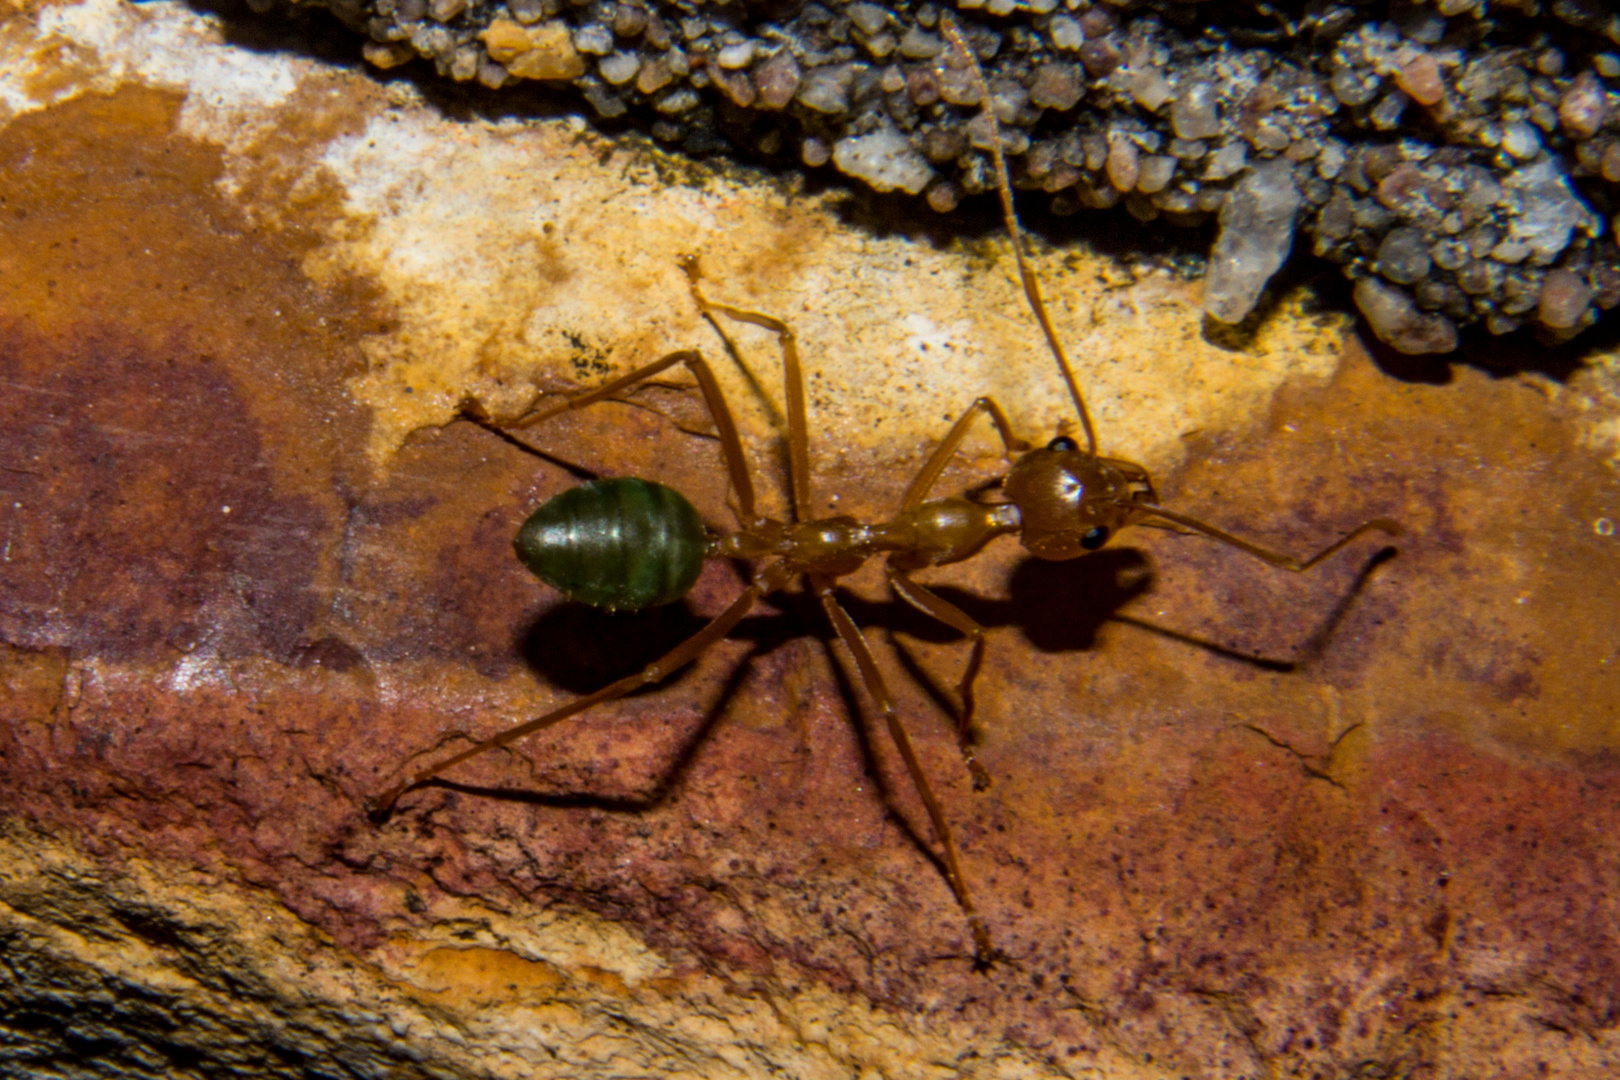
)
(628, 544)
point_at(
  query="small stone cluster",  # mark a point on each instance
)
(1459, 159)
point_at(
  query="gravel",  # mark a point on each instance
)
(1458, 159)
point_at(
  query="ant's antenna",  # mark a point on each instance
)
(1032, 288)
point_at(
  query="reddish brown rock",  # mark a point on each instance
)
(1242, 822)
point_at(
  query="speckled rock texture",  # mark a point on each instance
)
(1460, 154)
(1242, 823)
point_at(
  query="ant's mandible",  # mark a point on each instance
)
(627, 544)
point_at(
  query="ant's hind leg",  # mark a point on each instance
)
(792, 381)
(856, 643)
(930, 604)
(725, 426)
(773, 578)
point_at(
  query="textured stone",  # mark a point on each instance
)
(885, 159)
(1257, 230)
(777, 80)
(1546, 211)
(1420, 78)
(1565, 300)
(1244, 822)
(1400, 324)
(544, 52)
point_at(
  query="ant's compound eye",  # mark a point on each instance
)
(1094, 538)
(1063, 443)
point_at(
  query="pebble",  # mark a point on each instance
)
(1402, 257)
(869, 19)
(445, 10)
(1194, 115)
(777, 80)
(943, 197)
(1066, 33)
(594, 40)
(1398, 322)
(1124, 163)
(1565, 299)
(1420, 78)
(619, 68)
(1584, 107)
(1226, 162)
(734, 57)
(654, 76)
(920, 45)
(885, 159)
(1149, 88)
(677, 101)
(1546, 210)
(526, 12)
(1257, 230)
(1154, 173)
(629, 20)
(545, 51)
(1520, 140)
(1056, 86)
(826, 89)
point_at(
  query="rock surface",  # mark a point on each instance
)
(1241, 822)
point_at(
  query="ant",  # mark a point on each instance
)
(627, 544)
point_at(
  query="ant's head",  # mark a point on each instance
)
(1071, 501)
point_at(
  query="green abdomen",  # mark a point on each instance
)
(619, 544)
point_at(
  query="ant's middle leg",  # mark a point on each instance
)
(856, 643)
(792, 381)
(929, 603)
(725, 426)
(772, 578)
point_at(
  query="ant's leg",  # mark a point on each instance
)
(851, 635)
(925, 479)
(792, 382)
(725, 426)
(924, 600)
(1275, 558)
(1032, 287)
(773, 578)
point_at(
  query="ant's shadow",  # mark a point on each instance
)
(1058, 606)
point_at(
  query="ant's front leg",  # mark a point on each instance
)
(1276, 558)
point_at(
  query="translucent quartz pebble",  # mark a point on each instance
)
(1257, 229)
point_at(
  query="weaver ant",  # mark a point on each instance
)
(627, 544)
